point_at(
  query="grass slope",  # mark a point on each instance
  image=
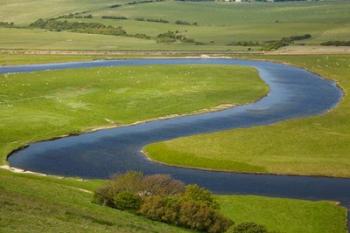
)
(285, 215)
(46, 204)
(228, 22)
(313, 146)
(43, 204)
(237, 22)
(35, 204)
(24, 12)
(53, 103)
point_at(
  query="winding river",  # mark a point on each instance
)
(294, 93)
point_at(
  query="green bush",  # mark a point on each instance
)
(7, 25)
(183, 212)
(126, 201)
(201, 195)
(160, 208)
(114, 17)
(201, 217)
(161, 198)
(336, 43)
(91, 28)
(248, 227)
(162, 185)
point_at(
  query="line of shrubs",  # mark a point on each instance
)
(244, 43)
(7, 25)
(114, 17)
(152, 20)
(336, 43)
(77, 15)
(142, 2)
(115, 6)
(285, 41)
(171, 37)
(90, 28)
(181, 22)
(161, 198)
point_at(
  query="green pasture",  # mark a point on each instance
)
(219, 24)
(285, 215)
(317, 145)
(229, 22)
(37, 39)
(23, 12)
(53, 103)
(46, 104)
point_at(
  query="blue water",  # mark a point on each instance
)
(294, 93)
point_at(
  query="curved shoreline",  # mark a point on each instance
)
(294, 93)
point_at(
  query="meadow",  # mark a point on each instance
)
(53, 103)
(45, 204)
(61, 99)
(317, 145)
(228, 25)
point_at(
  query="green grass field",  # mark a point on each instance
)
(46, 204)
(284, 215)
(312, 146)
(23, 12)
(228, 22)
(43, 204)
(53, 103)
(241, 22)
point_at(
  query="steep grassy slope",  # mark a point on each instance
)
(43, 204)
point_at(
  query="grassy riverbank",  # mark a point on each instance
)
(46, 204)
(43, 204)
(42, 105)
(312, 146)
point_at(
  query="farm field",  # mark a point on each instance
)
(312, 146)
(228, 25)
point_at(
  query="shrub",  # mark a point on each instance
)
(126, 201)
(157, 20)
(91, 28)
(186, 213)
(336, 43)
(248, 227)
(114, 17)
(115, 6)
(160, 208)
(162, 185)
(285, 41)
(202, 195)
(137, 184)
(141, 36)
(161, 198)
(170, 37)
(7, 25)
(201, 217)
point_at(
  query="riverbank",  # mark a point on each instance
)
(311, 146)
